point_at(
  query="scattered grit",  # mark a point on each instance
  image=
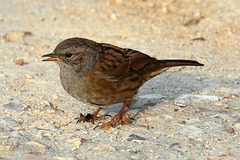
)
(185, 113)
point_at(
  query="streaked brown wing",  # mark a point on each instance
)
(116, 61)
(139, 60)
(113, 62)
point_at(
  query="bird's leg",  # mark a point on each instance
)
(91, 117)
(116, 119)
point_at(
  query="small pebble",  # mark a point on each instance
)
(27, 76)
(175, 110)
(191, 131)
(229, 130)
(175, 146)
(235, 103)
(6, 147)
(183, 122)
(15, 134)
(113, 16)
(35, 143)
(104, 147)
(55, 97)
(14, 106)
(8, 121)
(29, 158)
(13, 36)
(4, 137)
(19, 62)
(133, 137)
(136, 157)
(62, 158)
(187, 98)
(77, 142)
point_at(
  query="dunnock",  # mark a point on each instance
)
(104, 74)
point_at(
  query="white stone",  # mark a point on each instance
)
(187, 98)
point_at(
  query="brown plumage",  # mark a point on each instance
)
(103, 74)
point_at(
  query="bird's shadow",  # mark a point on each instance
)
(166, 87)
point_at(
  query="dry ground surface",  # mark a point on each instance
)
(184, 113)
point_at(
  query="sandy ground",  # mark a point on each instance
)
(185, 113)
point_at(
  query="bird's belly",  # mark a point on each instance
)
(96, 89)
(101, 91)
(106, 94)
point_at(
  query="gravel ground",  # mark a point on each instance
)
(185, 113)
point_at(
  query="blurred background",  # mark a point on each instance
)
(165, 29)
(37, 115)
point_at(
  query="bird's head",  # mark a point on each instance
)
(75, 53)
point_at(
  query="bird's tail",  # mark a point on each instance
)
(177, 62)
(158, 66)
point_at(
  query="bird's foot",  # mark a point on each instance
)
(117, 119)
(91, 117)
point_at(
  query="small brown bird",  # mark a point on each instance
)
(104, 74)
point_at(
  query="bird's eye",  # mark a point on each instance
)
(68, 55)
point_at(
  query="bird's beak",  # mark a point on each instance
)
(52, 57)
